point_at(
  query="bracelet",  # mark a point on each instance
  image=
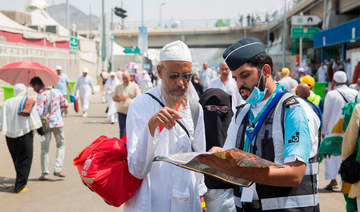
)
(203, 205)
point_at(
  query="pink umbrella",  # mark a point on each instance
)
(23, 72)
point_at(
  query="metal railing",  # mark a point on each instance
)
(255, 19)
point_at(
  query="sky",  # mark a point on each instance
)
(173, 9)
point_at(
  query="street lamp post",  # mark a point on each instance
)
(284, 37)
(162, 4)
(103, 43)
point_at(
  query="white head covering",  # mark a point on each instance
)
(13, 125)
(84, 70)
(19, 90)
(301, 69)
(175, 51)
(340, 77)
(112, 74)
(58, 67)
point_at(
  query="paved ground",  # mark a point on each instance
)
(69, 194)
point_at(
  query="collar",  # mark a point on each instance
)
(44, 89)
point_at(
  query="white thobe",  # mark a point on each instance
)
(165, 187)
(322, 72)
(206, 76)
(347, 67)
(333, 105)
(85, 87)
(112, 105)
(229, 87)
(289, 83)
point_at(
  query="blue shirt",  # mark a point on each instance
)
(62, 84)
(297, 136)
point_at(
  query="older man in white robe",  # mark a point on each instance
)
(227, 84)
(332, 128)
(85, 86)
(152, 131)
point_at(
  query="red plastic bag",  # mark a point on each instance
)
(104, 169)
(76, 105)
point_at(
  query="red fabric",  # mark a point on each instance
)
(161, 127)
(356, 74)
(76, 105)
(104, 162)
(18, 38)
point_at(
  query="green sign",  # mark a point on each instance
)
(74, 44)
(304, 32)
(132, 51)
(112, 37)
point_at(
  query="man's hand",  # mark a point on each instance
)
(119, 98)
(226, 166)
(166, 117)
(216, 149)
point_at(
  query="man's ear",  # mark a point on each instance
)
(159, 69)
(266, 71)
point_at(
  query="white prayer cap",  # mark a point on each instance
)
(84, 70)
(301, 69)
(58, 67)
(175, 51)
(135, 66)
(340, 77)
(112, 74)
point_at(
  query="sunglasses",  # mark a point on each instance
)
(174, 75)
(213, 108)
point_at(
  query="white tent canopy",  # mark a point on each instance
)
(39, 16)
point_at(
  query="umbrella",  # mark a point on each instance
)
(23, 72)
(130, 65)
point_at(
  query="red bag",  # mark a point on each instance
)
(104, 169)
(76, 105)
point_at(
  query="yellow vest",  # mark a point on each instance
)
(315, 99)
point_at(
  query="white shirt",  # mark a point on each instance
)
(229, 87)
(333, 105)
(165, 187)
(84, 85)
(13, 125)
(288, 82)
(206, 76)
(322, 74)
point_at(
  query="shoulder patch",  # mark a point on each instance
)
(291, 102)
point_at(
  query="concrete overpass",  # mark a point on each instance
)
(215, 37)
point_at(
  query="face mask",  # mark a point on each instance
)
(256, 95)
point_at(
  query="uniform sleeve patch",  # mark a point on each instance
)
(294, 138)
(291, 102)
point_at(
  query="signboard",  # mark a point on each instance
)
(74, 44)
(304, 32)
(306, 20)
(132, 51)
(112, 36)
(143, 39)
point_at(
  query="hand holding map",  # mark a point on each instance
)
(190, 161)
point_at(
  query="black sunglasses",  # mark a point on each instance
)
(174, 75)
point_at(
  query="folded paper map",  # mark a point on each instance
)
(244, 159)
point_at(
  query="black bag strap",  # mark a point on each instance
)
(342, 96)
(177, 121)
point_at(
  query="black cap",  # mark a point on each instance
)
(242, 51)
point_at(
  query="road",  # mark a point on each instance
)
(70, 194)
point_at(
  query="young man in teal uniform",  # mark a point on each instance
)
(274, 125)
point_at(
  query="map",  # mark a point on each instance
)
(244, 159)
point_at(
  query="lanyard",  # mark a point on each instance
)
(260, 117)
